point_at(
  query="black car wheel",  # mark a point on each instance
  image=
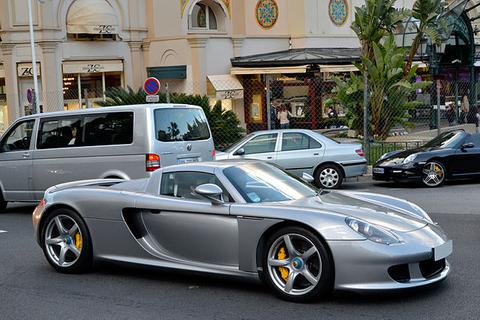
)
(3, 203)
(329, 176)
(66, 242)
(297, 266)
(433, 174)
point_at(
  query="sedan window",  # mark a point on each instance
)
(261, 144)
(182, 184)
(298, 141)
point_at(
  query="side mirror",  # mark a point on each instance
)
(239, 152)
(308, 178)
(211, 192)
(468, 145)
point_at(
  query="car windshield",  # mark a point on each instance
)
(261, 182)
(446, 140)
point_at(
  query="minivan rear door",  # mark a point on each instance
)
(182, 135)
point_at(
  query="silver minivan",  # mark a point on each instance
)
(126, 142)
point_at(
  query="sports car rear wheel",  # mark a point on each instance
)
(433, 174)
(297, 266)
(66, 242)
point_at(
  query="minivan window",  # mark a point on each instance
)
(60, 133)
(19, 137)
(181, 124)
(108, 129)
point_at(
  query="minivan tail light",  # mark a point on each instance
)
(152, 162)
(214, 154)
(360, 152)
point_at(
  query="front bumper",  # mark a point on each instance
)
(368, 266)
(396, 173)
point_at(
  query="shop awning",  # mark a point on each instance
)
(93, 66)
(268, 70)
(92, 17)
(224, 86)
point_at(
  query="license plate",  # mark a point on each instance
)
(379, 170)
(443, 251)
(187, 160)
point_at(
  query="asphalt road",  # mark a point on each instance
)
(30, 289)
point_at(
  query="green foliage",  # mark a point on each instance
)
(224, 124)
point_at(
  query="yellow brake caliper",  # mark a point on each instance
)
(282, 255)
(78, 241)
(438, 169)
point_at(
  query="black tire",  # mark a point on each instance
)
(433, 168)
(273, 276)
(84, 261)
(329, 176)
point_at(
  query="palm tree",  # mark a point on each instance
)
(428, 20)
(375, 20)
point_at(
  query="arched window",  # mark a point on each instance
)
(203, 17)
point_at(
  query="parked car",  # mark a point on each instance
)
(451, 155)
(248, 219)
(302, 151)
(125, 142)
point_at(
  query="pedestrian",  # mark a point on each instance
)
(333, 115)
(450, 114)
(273, 115)
(283, 116)
(464, 109)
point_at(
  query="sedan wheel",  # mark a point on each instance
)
(329, 177)
(297, 266)
(433, 174)
(66, 242)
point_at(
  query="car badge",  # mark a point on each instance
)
(189, 147)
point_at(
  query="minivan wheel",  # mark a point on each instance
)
(329, 176)
(66, 242)
(297, 266)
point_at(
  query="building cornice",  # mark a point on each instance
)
(197, 41)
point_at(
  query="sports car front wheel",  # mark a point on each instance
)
(297, 265)
(66, 242)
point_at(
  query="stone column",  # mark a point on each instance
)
(51, 77)
(199, 62)
(11, 83)
(138, 68)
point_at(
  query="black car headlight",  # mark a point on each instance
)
(372, 233)
(410, 158)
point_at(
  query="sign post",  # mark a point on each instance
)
(151, 88)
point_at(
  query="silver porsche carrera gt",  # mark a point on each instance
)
(248, 219)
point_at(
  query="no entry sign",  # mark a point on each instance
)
(151, 86)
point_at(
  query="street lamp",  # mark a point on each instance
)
(36, 100)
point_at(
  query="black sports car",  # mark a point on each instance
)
(451, 155)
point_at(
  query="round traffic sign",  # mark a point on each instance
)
(151, 86)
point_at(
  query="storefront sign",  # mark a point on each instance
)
(92, 66)
(25, 70)
(229, 94)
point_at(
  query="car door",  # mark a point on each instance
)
(16, 162)
(260, 147)
(299, 153)
(192, 229)
(467, 160)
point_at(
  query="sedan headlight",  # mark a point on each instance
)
(410, 158)
(384, 156)
(372, 233)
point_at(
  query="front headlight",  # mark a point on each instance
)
(410, 158)
(383, 156)
(372, 233)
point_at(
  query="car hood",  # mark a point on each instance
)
(390, 213)
(219, 155)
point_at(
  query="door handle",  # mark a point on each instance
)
(269, 158)
(316, 154)
(26, 155)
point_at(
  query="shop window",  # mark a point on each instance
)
(91, 37)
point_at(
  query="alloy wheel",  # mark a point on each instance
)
(294, 264)
(433, 174)
(63, 241)
(329, 177)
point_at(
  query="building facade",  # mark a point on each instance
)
(228, 49)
